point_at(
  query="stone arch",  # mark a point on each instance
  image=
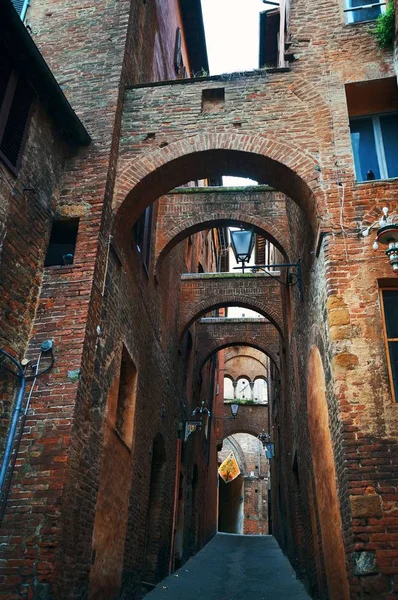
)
(233, 428)
(243, 376)
(213, 302)
(325, 479)
(245, 353)
(260, 377)
(285, 167)
(233, 342)
(189, 227)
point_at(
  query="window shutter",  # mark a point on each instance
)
(5, 74)
(269, 34)
(20, 6)
(178, 52)
(14, 131)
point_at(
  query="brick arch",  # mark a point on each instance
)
(189, 227)
(228, 343)
(244, 354)
(284, 166)
(213, 302)
(233, 426)
(243, 377)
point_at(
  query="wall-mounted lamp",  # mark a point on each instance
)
(387, 234)
(268, 445)
(234, 410)
(201, 410)
(242, 243)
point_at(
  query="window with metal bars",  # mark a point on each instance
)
(389, 307)
(16, 96)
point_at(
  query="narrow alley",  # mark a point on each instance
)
(234, 567)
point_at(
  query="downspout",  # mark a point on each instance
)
(46, 347)
(14, 419)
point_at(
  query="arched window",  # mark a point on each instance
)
(228, 389)
(260, 391)
(243, 390)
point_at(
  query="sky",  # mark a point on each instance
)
(232, 34)
(232, 39)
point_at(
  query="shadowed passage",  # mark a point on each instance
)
(232, 567)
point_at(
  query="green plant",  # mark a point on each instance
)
(384, 29)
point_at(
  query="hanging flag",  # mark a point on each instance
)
(229, 469)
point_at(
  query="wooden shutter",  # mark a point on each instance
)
(14, 115)
(178, 52)
(269, 30)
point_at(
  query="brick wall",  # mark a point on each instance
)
(63, 448)
(188, 210)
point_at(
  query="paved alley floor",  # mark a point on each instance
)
(234, 567)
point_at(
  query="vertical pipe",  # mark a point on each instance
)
(11, 434)
(175, 507)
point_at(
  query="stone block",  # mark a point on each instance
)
(365, 506)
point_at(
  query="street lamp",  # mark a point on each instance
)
(268, 445)
(234, 410)
(387, 234)
(242, 242)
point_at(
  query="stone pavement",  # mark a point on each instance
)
(234, 567)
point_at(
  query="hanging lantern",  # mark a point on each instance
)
(388, 235)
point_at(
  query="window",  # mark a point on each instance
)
(374, 142)
(142, 231)
(21, 6)
(16, 97)
(228, 389)
(360, 10)
(260, 391)
(389, 306)
(243, 389)
(213, 100)
(62, 245)
(126, 399)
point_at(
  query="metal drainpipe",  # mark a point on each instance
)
(14, 423)
(46, 347)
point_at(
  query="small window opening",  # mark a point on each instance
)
(126, 399)
(142, 233)
(213, 100)
(373, 111)
(62, 245)
(357, 11)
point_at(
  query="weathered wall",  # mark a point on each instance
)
(63, 447)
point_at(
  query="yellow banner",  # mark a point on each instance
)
(229, 469)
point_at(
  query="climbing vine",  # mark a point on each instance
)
(385, 27)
